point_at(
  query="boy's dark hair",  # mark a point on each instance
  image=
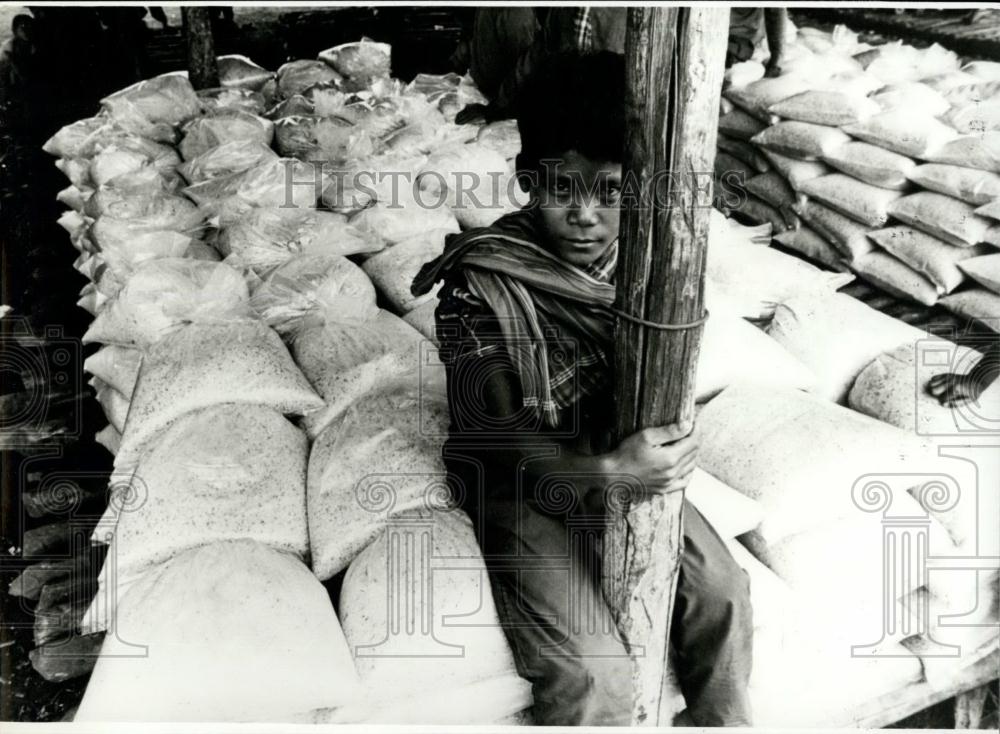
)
(21, 20)
(573, 101)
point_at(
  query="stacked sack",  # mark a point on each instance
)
(194, 376)
(878, 159)
(205, 583)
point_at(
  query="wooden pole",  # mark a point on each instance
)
(203, 69)
(674, 66)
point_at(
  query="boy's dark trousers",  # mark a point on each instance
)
(545, 574)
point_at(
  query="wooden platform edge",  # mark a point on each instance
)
(894, 707)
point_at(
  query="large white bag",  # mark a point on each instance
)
(798, 455)
(826, 108)
(225, 160)
(269, 236)
(871, 164)
(405, 642)
(393, 270)
(942, 216)
(906, 131)
(936, 259)
(985, 269)
(307, 288)
(802, 140)
(380, 456)
(762, 360)
(230, 631)
(227, 472)
(976, 303)
(973, 151)
(165, 294)
(895, 277)
(861, 201)
(224, 126)
(408, 218)
(968, 184)
(844, 233)
(836, 336)
(806, 241)
(207, 364)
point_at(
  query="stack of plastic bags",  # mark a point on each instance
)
(205, 582)
(880, 159)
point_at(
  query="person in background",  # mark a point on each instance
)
(747, 26)
(17, 58)
(525, 331)
(556, 29)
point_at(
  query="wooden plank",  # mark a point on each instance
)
(969, 707)
(895, 707)
(674, 67)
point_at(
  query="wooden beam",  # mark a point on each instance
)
(674, 68)
(203, 69)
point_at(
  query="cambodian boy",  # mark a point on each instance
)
(525, 335)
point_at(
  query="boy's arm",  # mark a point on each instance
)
(953, 389)
(485, 397)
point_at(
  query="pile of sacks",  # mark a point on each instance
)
(277, 409)
(233, 331)
(882, 160)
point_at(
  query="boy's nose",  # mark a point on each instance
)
(585, 215)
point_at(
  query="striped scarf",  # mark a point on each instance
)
(553, 316)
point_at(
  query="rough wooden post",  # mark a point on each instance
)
(674, 67)
(203, 69)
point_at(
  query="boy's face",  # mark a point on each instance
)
(579, 207)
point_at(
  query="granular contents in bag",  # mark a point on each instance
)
(760, 212)
(863, 202)
(360, 63)
(344, 359)
(164, 294)
(757, 97)
(980, 151)
(219, 615)
(393, 271)
(224, 126)
(988, 71)
(209, 364)
(772, 188)
(269, 236)
(380, 456)
(731, 167)
(794, 453)
(227, 472)
(422, 319)
(836, 336)
(844, 233)
(985, 269)
(240, 72)
(222, 99)
(740, 125)
(934, 258)
(308, 289)
(971, 93)
(797, 172)
(502, 136)
(912, 96)
(895, 277)
(806, 241)
(801, 140)
(826, 108)
(975, 303)
(744, 152)
(295, 77)
(225, 160)
(975, 117)
(991, 210)
(408, 218)
(968, 184)
(944, 217)
(904, 131)
(409, 682)
(872, 164)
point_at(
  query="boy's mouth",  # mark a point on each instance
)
(578, 241)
